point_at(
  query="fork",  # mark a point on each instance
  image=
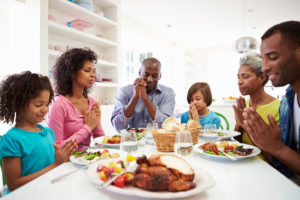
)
(67, 174)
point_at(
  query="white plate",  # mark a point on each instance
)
(79, 161)
(231, 101)
(99, 140)
(228, 134)
(255, 151)
(203, 181)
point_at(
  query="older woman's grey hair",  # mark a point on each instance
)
(254, 61)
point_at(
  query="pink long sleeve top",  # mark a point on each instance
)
(67, 122)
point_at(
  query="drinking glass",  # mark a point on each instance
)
(183, 143)
(149, 137)
(210, 131)
(129, 142)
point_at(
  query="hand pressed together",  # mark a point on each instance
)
(193, 113)
(267, 137)
(92, 118)
(238, 111)
(62, 154)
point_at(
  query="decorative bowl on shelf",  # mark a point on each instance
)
(79, 24)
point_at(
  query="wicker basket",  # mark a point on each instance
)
(165, 140)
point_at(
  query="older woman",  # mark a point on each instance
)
(251, 81)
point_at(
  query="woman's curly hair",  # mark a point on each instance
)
(68, 65)
(17, 90)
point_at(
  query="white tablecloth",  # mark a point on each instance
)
(243, 179)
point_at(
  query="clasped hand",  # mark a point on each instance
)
(140, 87)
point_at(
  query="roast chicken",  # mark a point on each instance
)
(163, 173)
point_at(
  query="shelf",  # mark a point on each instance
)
(72, 33)
(105, 3)
(106, 84)
(82, 13)
(53, 53)
(103, 63)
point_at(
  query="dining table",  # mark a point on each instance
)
(243, 179)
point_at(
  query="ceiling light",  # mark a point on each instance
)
(246, 45)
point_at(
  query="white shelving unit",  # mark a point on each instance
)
(103, 38)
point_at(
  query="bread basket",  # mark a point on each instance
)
(165, 139)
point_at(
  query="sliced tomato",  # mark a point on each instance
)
(120, 181)
(104, 151)
(229, 148)
(105, 169)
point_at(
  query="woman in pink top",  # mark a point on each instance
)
(73, 114)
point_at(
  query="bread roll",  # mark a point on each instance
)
(192, 124)
(171, 124)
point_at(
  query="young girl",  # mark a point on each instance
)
(28, 149)
(199, 97)
(251, 81)
(74, 114)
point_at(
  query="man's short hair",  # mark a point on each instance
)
(290, 32)
(152, 60)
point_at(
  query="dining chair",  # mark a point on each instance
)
(223, 120)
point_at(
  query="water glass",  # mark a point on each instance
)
(129, 142)
(149, 137)
(210, 128)
(210, 132)
(183, 143)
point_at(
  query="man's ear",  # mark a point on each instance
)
(159, 76)
(140, 73)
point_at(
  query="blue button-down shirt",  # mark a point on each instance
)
(162, 97)
(287, 129)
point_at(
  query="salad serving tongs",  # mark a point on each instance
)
(130, 168)
(67, 174)
(229, 156)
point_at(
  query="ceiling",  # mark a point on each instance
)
(209, 23)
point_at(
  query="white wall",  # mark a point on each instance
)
(218, 67)
(19, 39)
(137, 35)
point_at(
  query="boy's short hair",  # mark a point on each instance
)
(203, 88)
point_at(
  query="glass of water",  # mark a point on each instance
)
(183, 143)
(129, 142)
(149, 137)
(210, 132)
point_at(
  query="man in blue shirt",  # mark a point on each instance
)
(145, 100)
(280, 50)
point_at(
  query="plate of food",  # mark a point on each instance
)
(229, 99)
(89, 156)
(161, 176)
(114, 141)
(219, 134)
(233, 149)
(109, 142)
